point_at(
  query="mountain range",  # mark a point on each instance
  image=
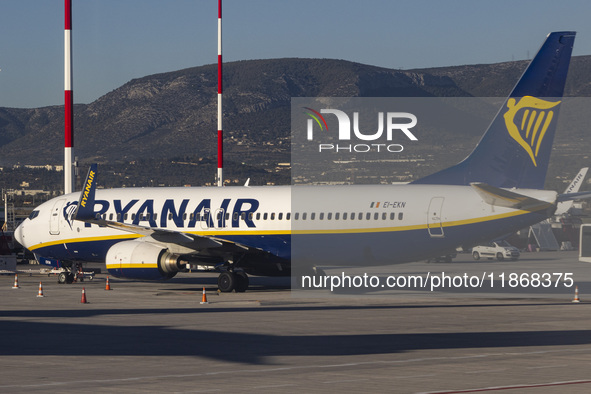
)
(173, 115)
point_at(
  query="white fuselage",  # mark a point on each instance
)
(335, 224)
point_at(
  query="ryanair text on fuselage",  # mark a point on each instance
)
(240, 210)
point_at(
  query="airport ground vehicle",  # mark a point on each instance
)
(500, 250)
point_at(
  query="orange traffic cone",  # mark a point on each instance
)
(16, 286)
(204, 298)
(40, 294)
(576, 299)
(83, 300)
(108, 286)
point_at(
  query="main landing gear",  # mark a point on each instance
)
(233, 280)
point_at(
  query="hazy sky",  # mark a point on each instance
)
(118, 40)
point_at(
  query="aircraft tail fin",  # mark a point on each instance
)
(567, 202)
(515, 150)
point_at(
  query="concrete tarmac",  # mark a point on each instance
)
(157, 337)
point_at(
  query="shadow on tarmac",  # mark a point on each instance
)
(29, 338)
(32, 338)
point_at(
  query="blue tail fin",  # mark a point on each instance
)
(515, 150)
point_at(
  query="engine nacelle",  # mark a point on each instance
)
(142, 260)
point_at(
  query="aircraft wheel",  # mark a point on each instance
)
(227, 282)
(62, 278)
(476, 255)
(69, 277)
(241, 281)
(500, 256)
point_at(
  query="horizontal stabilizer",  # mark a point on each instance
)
(574, 196)
(508, 199)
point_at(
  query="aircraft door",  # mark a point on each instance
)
(434, 217)
(220, 218)
(54, 219)
(206, 219)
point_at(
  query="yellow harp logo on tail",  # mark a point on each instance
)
(527, 122)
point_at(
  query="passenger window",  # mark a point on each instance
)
(384, 216)
(368, 216)
(312, 215)
(360, 216)
(280, 217)
(336, 216)
(400, 216)
(296, 216)
(304, 216)
(273, 216)
(110, 216)
(344, 215)
(258, 216)
(329, 216)
(288, 216)
(376, 216)
(392, 216)
(155, 216)
(321, 216)
(265, 216)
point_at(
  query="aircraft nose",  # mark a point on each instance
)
(18, 234)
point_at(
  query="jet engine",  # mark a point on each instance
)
(143, 261)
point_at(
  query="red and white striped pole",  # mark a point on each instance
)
(220, 179)
(68, 99)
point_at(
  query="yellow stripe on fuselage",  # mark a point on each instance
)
(452, 223)
(131, 265)
(88, 239)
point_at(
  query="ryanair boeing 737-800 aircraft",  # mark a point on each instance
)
(152, 233)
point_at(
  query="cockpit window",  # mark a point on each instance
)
(33, 215)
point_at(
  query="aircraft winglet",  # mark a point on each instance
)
(85, 209)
